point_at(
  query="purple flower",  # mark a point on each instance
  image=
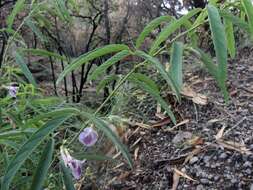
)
(72, 163)
(76, 168)
(13, 90)
(88, 137)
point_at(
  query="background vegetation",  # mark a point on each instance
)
(53, 51)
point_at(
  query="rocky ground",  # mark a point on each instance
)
(210, 149)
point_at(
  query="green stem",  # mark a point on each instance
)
(127, 76)
(16, 32)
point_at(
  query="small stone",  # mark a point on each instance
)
(247, 164)
(234, 180)
(248, 171)
(204, 181)
(250, 158)
(181, 137)
(206, 159)
(251, 186)
(237, 165)
(228, 176)
(193, 160)
(210, 176)
(216, 178)
(185, 186)
(223, 156)
(200, 187)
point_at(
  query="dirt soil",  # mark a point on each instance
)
(211, 149)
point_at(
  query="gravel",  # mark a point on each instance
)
(215, 167)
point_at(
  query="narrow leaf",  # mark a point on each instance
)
(106, 81)
(63, 11)
(67, 178)
(17, 9)
(248, 7)
(155, 63)
(103, 67)
(150, 27)
(15, 133)
(44, 53)
(172, 27)
(208, 62)
(150, 87)
(229, 29)
(21, 62)
(56, 113)
(90, 56)
(43, 166)
(141, 78)
(30, 23)
(176, 69)
(235, 20)
(25, 151)
(191, 35)
(220, 46)
(92, 156)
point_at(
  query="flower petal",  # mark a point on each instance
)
(88, 137)
(65, 156)
(76, 168)
(13, 90)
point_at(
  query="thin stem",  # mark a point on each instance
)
(128, 75)
(113, 92)
(15, 33)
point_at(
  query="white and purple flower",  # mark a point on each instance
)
(88, 137)
(72, 163)
(13, 90)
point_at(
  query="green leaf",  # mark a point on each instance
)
(155, 63)
(25, 151)
(90, 56)
(220, 46)
(151, 88)
(248, 7)
(201, 18)
(49, 101)
(30, 23)
(56, 113)
(139, 78)
(106, 81)
(176, 69)
(192, 35)
(92, 156)
(63, 11)
(172, 27)
(43, 166)
(10, 143)
(101, 125)
(212, 69)
(15, 133)
(67, 178)
(44, 53)
(150, 27)
(103, 67)
(235, 20)
(21, 62)
(208, 62)
(17, 9)
(229, 29)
